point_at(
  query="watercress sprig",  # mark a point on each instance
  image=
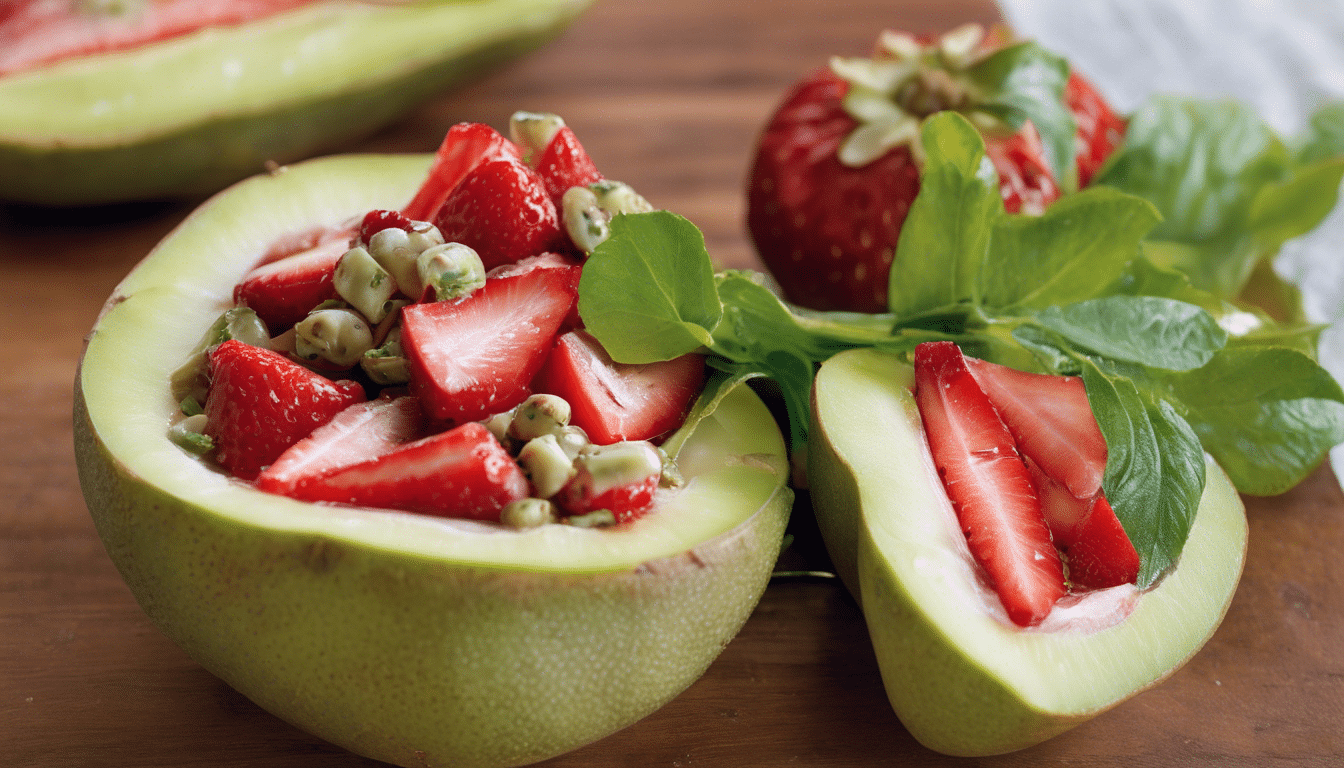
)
(1172, 370)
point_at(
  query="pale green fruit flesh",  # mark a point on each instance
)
(190, 115)
(960, 676)
(410, 639)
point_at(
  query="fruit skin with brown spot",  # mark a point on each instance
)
(408, 639)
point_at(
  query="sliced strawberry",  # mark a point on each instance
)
(1065, 514)
(378, 220)
(1052, 422)
(261, 403)
(619, 478)
(360, 432)
(282, 292)
(988, 484)
(475, 357)
(463, 472)
(1100, 130)
(34, 33)
(613, 401)
(465, 146)
(502, 210)
(1026, 182)
(1103, 555)
(565, 164)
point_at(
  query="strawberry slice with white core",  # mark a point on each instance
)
(614, 401)
(463, 472)
(1051, 421)
(282, 292)
(475, 357)
(260, 403)
(988, 484)
(465, 146)
(361, 432)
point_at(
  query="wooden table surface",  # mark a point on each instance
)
(666, 96)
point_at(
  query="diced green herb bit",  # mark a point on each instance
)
(191, 407)
(189, 435)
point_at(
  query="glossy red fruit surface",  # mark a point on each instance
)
(502, 210)
(260, 403)
(477, 356)
(613, 401)
(988, 484)
(463, 472)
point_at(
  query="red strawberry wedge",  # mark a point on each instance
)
(988, 484)
(463, 472)
(1052, 422)
(502, 210)
(465, 146)
(613, 401)
(282, 292)
(361, 432)
(474, 357)
(260, 403)
(1102, 556)
(564, 164)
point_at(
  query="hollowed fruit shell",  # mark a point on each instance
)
(414, 640)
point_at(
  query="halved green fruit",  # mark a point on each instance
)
(962, 679)
(193, 114)
(415, 640)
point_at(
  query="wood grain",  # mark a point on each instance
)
(666, 96)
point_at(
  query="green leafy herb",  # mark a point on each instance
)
(1024, 82)
(663, 285)
(1230, 192)
(1172, 368)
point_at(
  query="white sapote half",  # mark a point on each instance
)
(411, 639)
(961, 677)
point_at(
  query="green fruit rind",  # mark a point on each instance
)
(414, 640)
(961, 678)
(190, 115)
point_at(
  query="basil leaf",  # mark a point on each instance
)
(1228, 189)
(1026, 82)
(1199, 162)
(1154, 468)
(1293, 207)
(647, 292)
(1325, 135)
(1267, 414)
(1073, 251)
(946, 232)
(1151, 331)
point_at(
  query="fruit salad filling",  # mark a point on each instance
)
(1022, 458)
(438, 365)
(34, 33)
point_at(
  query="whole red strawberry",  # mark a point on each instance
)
(837, 166)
